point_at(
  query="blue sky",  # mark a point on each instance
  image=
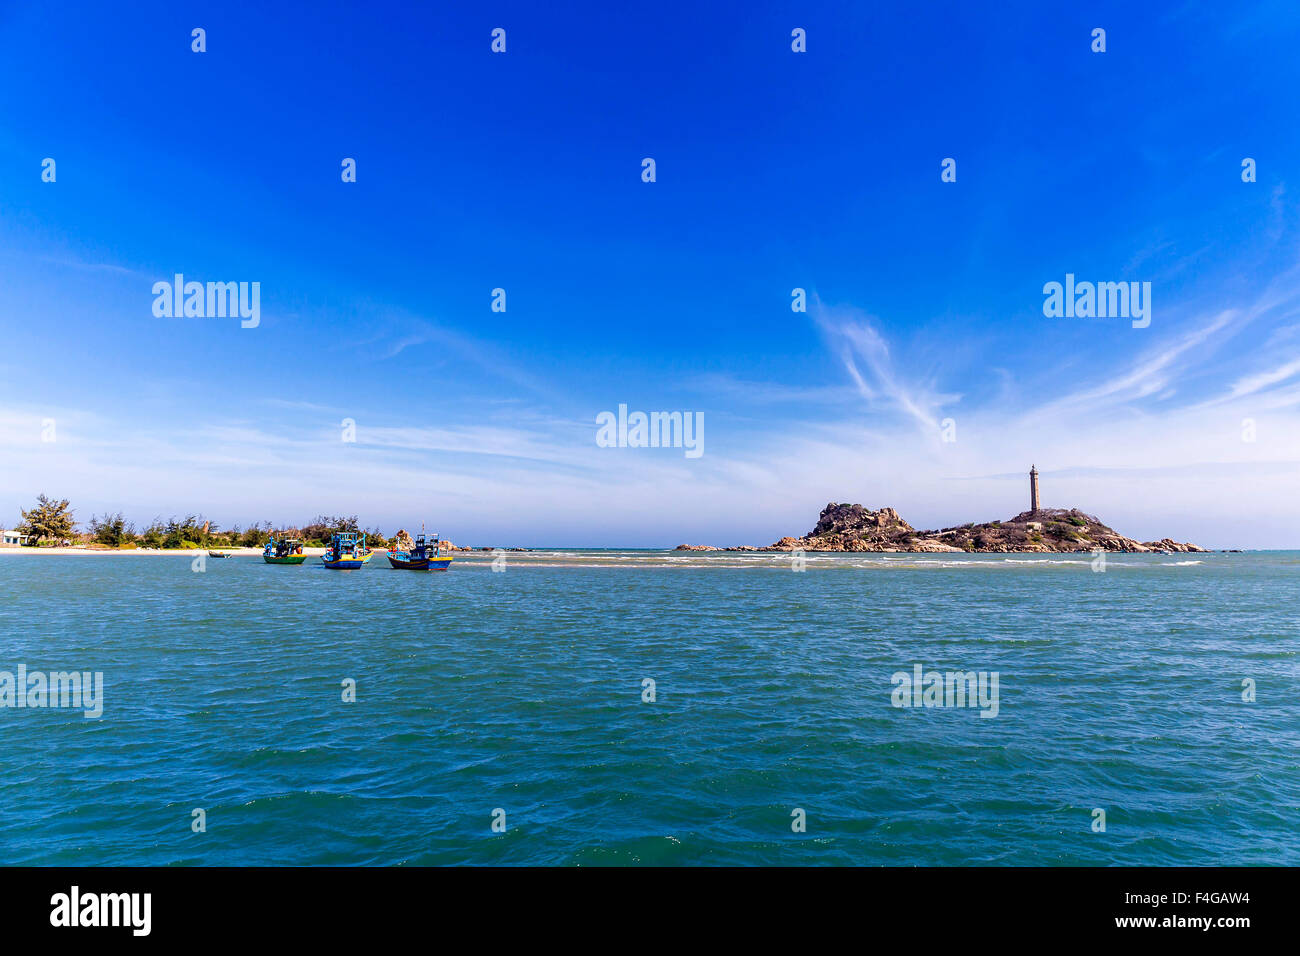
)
(775, 170)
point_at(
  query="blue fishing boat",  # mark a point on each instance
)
(422, 557)
(347, 552)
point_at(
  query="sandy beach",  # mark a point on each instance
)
(81, 551)
(146, 552)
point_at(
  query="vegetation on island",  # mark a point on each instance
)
(51, 522)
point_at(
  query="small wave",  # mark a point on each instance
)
(1044, 561)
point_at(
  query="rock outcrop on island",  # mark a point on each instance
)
(855, 528)
(844, 527)
(402, 541)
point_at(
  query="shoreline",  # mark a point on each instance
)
(82, 552)
(146, 552)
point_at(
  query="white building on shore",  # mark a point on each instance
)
(12, 539)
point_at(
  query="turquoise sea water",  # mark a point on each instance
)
(522, 691)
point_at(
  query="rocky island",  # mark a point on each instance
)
(843, 527)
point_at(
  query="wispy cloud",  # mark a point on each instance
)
(1261, 380)
(1156, 374)
(74, 263)
(388, 332)
(774, 393)
(856, 341)
(1150, 374)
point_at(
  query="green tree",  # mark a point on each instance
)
(112, 530)
(49, 521)
(152, 536)
(189, 532)
(255, 536)
(320, 529)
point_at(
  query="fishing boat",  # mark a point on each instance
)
(218, 554)
(422, 557)
(283, 551)
(347, 552)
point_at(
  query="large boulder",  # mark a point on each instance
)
(843, 527)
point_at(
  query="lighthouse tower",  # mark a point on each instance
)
(1033, 488)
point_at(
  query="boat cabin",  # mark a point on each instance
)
(347, 542)
(424, 549)
(283, 547)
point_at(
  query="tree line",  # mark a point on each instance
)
(51, 522)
